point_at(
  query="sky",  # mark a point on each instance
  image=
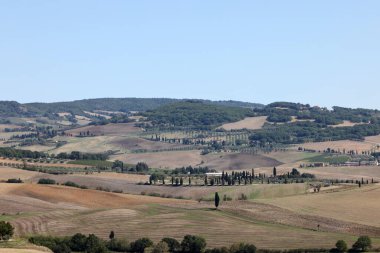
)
(318, 52)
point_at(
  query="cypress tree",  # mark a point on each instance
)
(216, 200)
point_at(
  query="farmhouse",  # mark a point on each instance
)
(351, 164)
(369, 163)
(214, 174)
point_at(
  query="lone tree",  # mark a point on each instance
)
(341, 246)
(217, 200)
(363, 243)
(274, 171)
(112, 235)
(6, 231)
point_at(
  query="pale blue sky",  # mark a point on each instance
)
(318, 52)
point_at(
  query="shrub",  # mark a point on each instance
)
(14, 181)
(118, 245)
(216, 250)
(78, 242)
(95, 245)
(71, 184)
(193, 244)
(140, 245)
(172, 243)
(243, 248)
(341, 246)
(243, 197)
(6, 231)
(161, 247)
(362, 244)
(46, 181)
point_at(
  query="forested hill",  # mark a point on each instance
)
(290, 123)
(282, 112)
(14, 109)
(11, 109)
(195, 113)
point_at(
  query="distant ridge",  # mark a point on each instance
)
(13, 108)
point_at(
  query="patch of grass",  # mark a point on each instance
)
(259, 191)
(94, 163)
(10, 217)
(330, 158)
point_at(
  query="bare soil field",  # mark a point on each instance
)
(84, 198)
(373, 139)
(119, 129)
(347, 123)
(82, 120)
(7, 173)
(359, 205)
(349, 172)
(238, 161)
(34, 197)
(173, 159)
(252, 123)
(219, 161)
(8, 250)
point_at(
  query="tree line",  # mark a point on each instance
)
(189, 244)
(74, 155)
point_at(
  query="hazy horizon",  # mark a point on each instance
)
(322, 53)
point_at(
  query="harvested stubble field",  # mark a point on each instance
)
(219, 161)
(8, 135)
(38, 148)
(120, 129)
(347, 172)
(21, 246)
(7, 173)
(346, 123)
(238, 161)
(39, 164)
(71, 210)
(373, 139)
(252, 123)
(338, 145)
(135, 143)
(8, 250)
(173, 159)
(128, 183)
(358, 205)
(290, 156)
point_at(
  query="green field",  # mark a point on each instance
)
(329, 158)
(94, 163)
